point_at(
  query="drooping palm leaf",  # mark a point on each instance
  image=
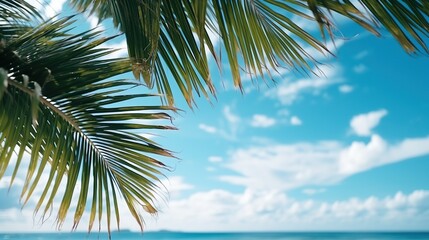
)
(258, 35)
(171, 37)
(17, 10)
(407, 21)
(77, 125)
(161, 40)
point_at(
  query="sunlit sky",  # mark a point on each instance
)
(345, 151)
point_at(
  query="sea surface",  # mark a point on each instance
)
(166, 235)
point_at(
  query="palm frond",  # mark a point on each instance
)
(17, 10)
(80, 127)
(263, 37)
(407, 21)
(169, 38)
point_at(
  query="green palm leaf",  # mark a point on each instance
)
(257, 35)
(17, 11)
(57, 103)
(407, 21)
(78, 126)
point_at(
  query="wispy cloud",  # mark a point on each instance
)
(306, 24)
(5, 182)
(233, 122)
(345, 88)
(361, 55)
(215, 159)
(313, 191)
(262, 121)
(282, 74)
(207, 128)
(231, 117)
(228, 127)
(323, 56)
(121, 49)
(175, 185)
(289, 91)
(360, 68)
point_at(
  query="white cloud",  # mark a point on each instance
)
(121, 49)
(312, 191)
(229, 132)
(287, 92)
(295, 121)
(38, 4)
(228, 128)
(17, 220)
(262, 140)
(175, 185)
(269, 208)
(306, 24)
(25, 220)
(215, 159)
(359, 68)
(249, 79)
(323, 56)
(94, 22)
(290, 87)
(230, 116)
(361, 55)
(207, 128)
(262, 121)
(345, 88)
(48, 10)
(55, 7)
(363, 124)
(284, 166)
(213, 36)
(289, 166)
(311, 51)
(359, 156)
(220, 210)
(5, 182)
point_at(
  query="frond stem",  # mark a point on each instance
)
(58, 111)
(47, 103)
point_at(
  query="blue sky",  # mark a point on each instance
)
(345, 151)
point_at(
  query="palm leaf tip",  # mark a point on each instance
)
(406, 21)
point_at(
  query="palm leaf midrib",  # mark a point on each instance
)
(74, 101)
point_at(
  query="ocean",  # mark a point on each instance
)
(166, 235)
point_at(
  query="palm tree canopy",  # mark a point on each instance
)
(257, 35)
(59, 104)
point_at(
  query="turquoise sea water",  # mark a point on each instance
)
(223, 236)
